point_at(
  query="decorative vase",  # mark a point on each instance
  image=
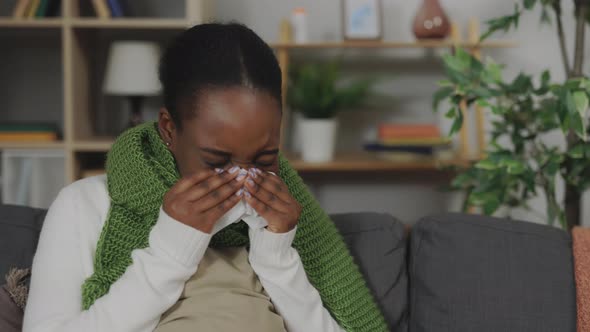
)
(431, 22)
(318, 139)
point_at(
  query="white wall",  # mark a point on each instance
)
(412, 83)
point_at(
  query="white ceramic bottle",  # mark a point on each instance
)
(299, 22)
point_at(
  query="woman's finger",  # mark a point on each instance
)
(271, 183)
(219, 195)
(217, 211)
(266, 197)
(189, 181)
(204, 188)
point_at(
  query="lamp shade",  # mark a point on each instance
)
(132, 69)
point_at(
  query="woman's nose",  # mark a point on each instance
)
(245, 165)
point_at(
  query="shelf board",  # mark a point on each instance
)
(32, 145)
(394, 44)
(364, 162)
(93, 145)
(130, 23)
(8, 22)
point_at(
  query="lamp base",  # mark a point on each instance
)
(135, 118)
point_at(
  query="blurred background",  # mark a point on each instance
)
(75, 73)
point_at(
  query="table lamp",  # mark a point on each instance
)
(132, 71)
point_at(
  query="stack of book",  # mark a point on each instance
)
(409, 142)
(28, 132)
(36, 8)
(108, 8)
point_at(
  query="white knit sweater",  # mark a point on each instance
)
(155, 280)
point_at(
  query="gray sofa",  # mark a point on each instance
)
(451, 273)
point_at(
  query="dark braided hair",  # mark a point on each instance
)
(215, 55)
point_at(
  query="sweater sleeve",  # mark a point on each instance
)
(281, 273)
(135, 302)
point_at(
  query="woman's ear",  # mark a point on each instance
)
(166, 127)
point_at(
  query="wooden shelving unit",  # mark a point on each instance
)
(32, 145)
(81, 74)
(394, 44)
(365, 162)
(129, 23)
(31, 23)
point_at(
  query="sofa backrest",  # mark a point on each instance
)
(376, 241)
(471, 273)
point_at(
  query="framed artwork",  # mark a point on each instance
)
(362, 19)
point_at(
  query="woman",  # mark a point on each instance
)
(199, 224)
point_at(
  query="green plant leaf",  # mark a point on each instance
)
(457, 124)
(451, 114)
(492, 72)
(515, 167)
(483, 103)
(545, 18)
(528, 4)
(440, 95)
(491, 205)
(578, 124)
(488, 200)
(577, 152)
(581, 102)
(487, 165)
(503, 23)
(445, 83)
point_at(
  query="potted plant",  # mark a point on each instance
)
(317, 92)
(520, 163)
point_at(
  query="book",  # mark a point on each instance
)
(116, 8)
(27, 137)
(28, 127)
(386, 131)
(32, 8)
(378, 147)
(53, 8)
(427, 141)
(101, 8)
(42, 9)
(20, 8)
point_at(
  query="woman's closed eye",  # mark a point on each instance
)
(216, 164)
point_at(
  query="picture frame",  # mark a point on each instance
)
(362, 19)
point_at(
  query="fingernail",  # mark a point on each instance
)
(257, 171)
(218, 170)
(243, 171)
(234, 169)
(240, 177)
(240, 192)
(252, 173)
(247, 194)
(250, 182)
(273, 173)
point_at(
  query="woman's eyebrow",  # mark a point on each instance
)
(217, 152)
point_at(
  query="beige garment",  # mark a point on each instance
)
(224, 295)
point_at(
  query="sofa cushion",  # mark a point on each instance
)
(19, 233)
(378, 244)
(472, 273)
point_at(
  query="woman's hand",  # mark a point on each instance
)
(270, 197)
(202, 198)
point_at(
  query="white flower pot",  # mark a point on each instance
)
(296, 119)
(318, 139)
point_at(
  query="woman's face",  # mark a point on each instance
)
(232, 126)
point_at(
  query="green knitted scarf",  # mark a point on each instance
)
(140, 170)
